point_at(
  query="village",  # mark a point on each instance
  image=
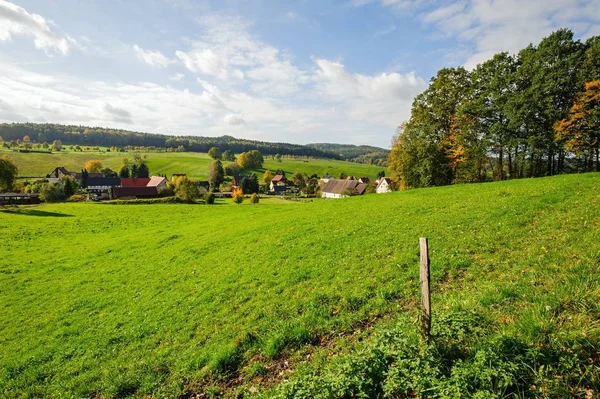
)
(99, 186)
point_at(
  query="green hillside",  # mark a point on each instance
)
(195, 165)
(306, 300)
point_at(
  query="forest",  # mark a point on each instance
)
(535, 113)
(99, 136)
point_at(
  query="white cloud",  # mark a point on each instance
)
(510, 25)
(382, 99)
(150, 57)
(228, 52)
(15, 20)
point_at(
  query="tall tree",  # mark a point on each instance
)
(421, 149)
(548, 82)
(143, 170)
(216, 174)
(484, 118)
(8, 174)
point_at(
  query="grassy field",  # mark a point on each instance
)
(195, 165)
(306, 300)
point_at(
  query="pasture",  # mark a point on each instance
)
(101, 300)
(195, 165)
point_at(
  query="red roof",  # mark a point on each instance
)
(135, 182)
(278, 178)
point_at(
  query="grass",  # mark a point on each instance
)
(171, 299)
(195, 165)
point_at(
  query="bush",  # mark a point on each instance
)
(52, 193)
(167, 191)
(238, 196)
(254, 198)
(209, 198)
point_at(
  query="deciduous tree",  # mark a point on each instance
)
(93, 166)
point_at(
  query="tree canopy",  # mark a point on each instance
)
(504, 119)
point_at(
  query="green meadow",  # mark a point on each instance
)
(195, 165)
(313, 299)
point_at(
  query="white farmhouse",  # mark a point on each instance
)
(384, 185)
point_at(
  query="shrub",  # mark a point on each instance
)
(188, 191)
(254, 198)
(238, 196)
(52, 193)
(167, 191)
(209, 198)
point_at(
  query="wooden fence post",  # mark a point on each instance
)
(424, 280)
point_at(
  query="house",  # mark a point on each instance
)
(139, 187)
(278, 183)
(158, 182)
(134, 181)
(19, 198)
(134, 192)
(336, 188)
(364, 179)
(101, 187)
(60, 172)
(384, 185)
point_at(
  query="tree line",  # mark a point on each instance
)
(536, 113)
(98, 136)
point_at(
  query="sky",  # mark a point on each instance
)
(300, 71)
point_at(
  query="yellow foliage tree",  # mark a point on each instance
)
(580, 129)
(238, 196)
(93, 166)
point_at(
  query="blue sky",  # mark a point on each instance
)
(296, 71)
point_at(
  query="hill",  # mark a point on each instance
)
(306, 300)
(195, 165)
(100, 136)
(355, 153)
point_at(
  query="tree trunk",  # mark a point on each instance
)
(501, 162)
(510, 165)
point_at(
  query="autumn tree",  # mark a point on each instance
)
(580, 129)
(250, 160)
(238, 196)
(267, 177)
(254, 199)
(93, 166)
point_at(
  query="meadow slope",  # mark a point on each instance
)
(195, 165)
(102, 300)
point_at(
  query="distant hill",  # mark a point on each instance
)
(100, 136)
(355, 153)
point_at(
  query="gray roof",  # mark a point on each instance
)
(337, 186)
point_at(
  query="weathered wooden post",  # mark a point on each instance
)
(424, 280)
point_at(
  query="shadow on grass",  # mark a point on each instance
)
(35, 212)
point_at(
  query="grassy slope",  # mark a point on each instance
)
(194, 164)
(120, 300)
